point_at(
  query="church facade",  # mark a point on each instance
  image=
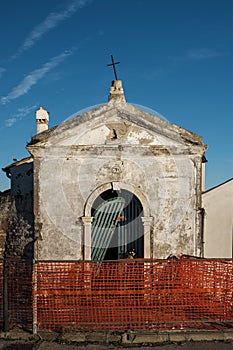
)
(116, 182)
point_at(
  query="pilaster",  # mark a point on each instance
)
(87, 220)
(147, 224)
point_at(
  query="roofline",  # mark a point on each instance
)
(5, 192)
(18, 162)
(185, 135)
(219, 185)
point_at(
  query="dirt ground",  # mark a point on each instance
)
(44, 345)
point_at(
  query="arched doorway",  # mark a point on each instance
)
(117, 228)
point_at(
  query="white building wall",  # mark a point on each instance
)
(218, 222)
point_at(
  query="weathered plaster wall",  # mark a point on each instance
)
(117, 148)
(22, 179)
(7, 206)
(10, 205)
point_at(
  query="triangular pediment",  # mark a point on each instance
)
(120, 123)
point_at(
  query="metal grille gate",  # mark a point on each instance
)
(117, 226)
(104, 224)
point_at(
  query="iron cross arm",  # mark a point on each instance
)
(114, 66)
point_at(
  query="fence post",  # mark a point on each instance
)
(5, 298)
(34, 297)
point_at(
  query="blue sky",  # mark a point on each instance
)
(176, 58)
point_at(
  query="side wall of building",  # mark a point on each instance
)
(22, 179)
(7, 207)
(218, 222)
(12, 207)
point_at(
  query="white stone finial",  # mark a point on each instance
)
(42, 120)
(116, 92)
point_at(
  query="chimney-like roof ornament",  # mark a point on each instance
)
(42, 120)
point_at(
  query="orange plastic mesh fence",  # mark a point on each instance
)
(134, 294)
(19, 292)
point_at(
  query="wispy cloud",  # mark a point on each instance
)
(50, 22)
(31, 79)
(2, 70)
(101, 32)
(20, 113)
(10, 122)
(198, 54)
(203, 54)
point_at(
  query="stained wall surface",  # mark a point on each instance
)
(121, 147)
